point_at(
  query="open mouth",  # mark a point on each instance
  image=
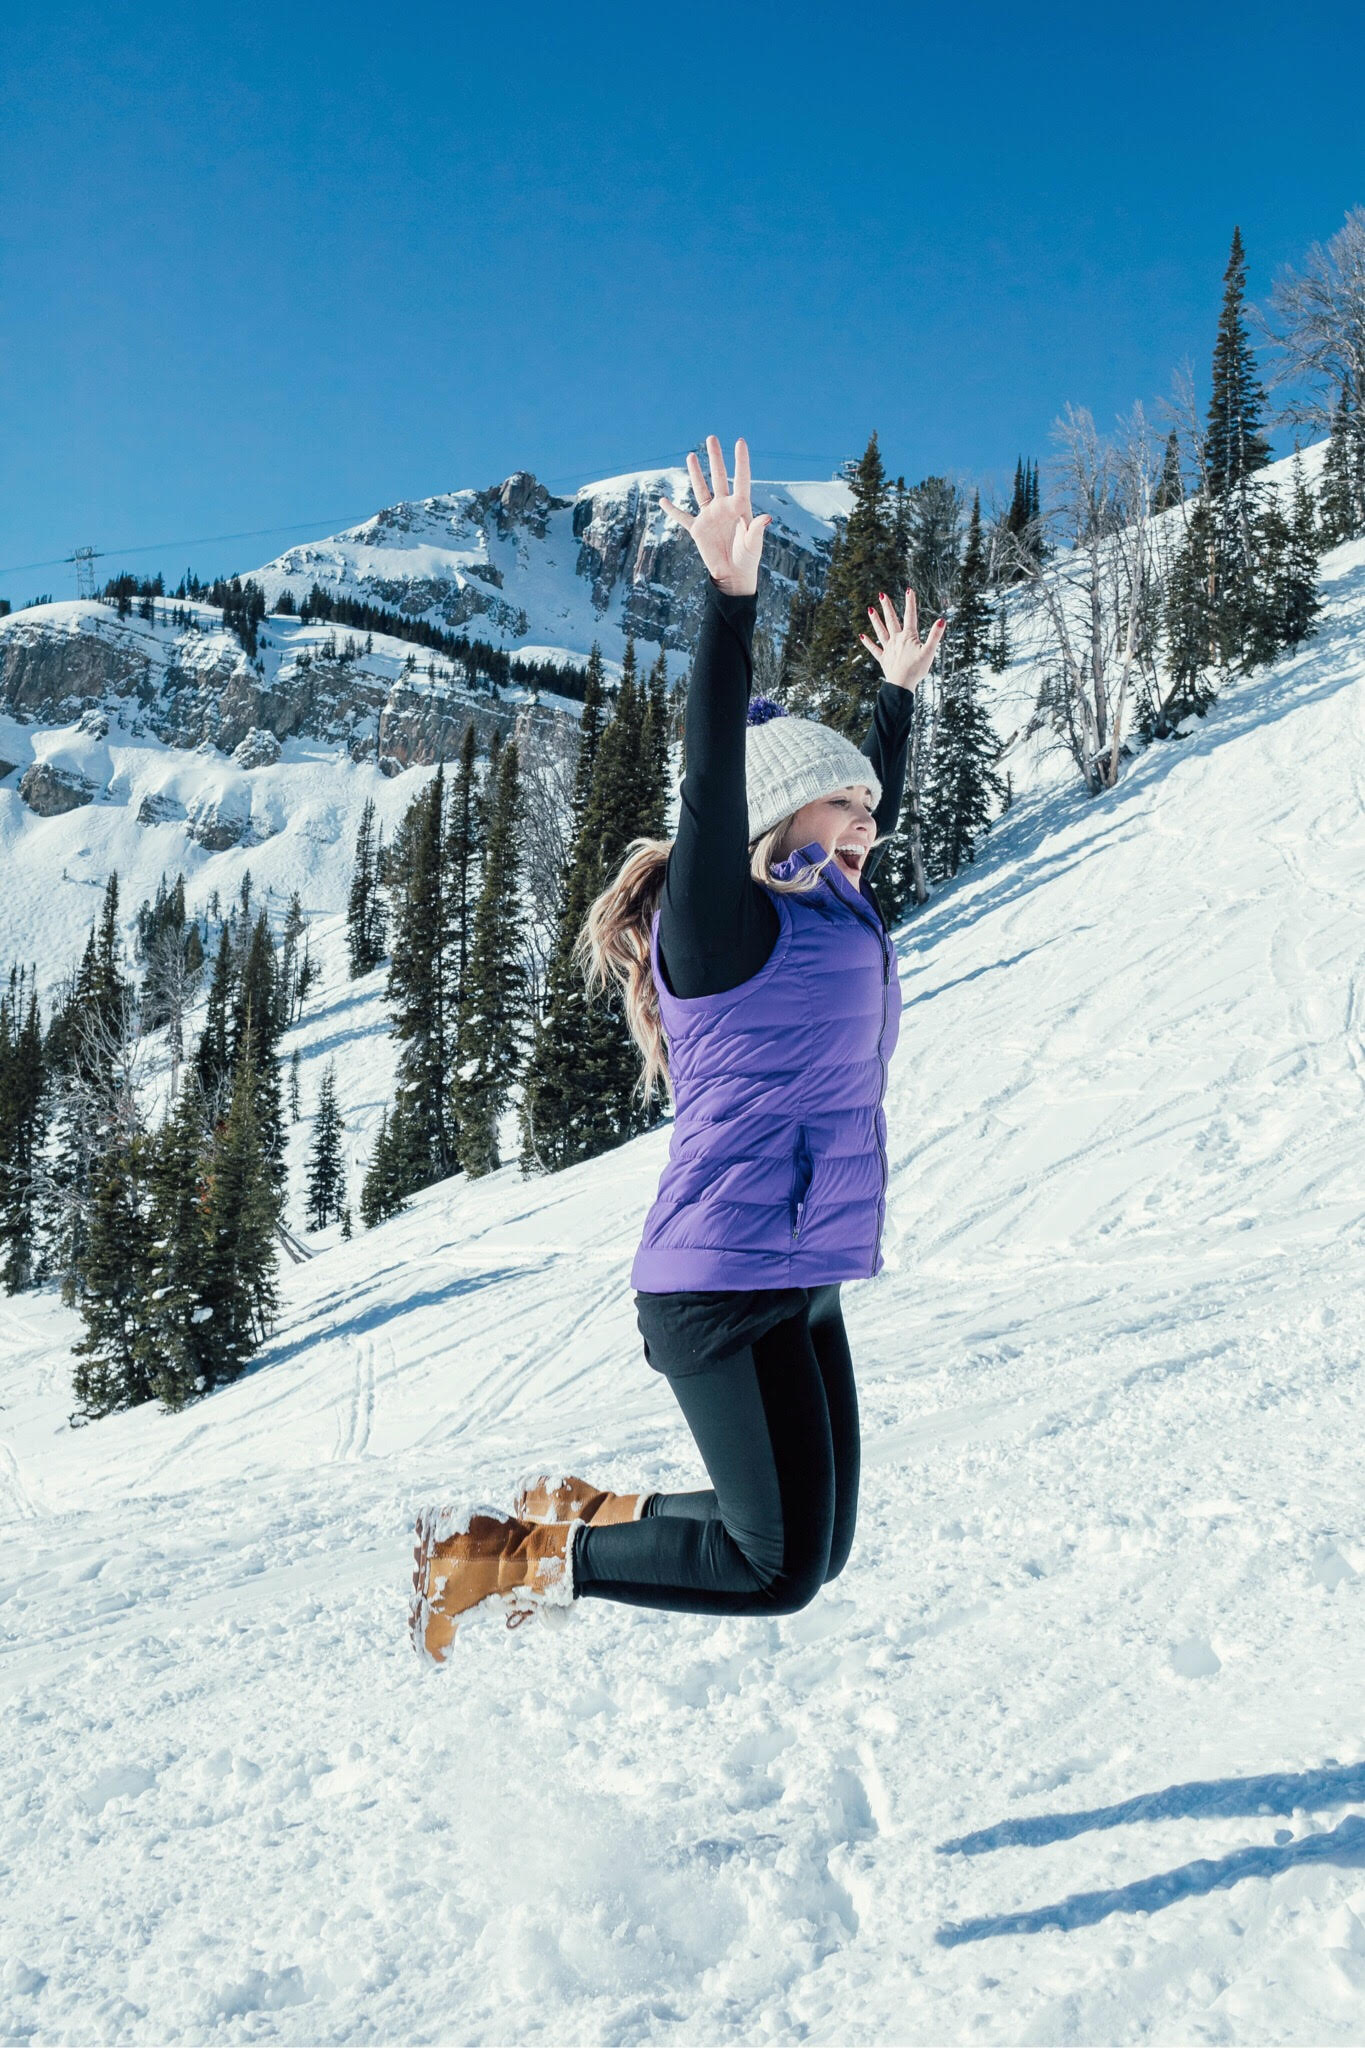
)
(851, 856)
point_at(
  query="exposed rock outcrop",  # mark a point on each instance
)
(218, 819)
(50, 790)
(260, 749)
(159, 807)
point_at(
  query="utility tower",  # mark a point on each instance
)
(85, 560)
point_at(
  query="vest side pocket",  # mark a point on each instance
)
(803, 1168)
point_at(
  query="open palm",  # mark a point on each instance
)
(728, 537)
(904, 659)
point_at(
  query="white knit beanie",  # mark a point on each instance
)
(789, 762)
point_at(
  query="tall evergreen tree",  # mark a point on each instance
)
(1296, 600)
(365, 922)
(240, 1212)
(23, 1123)
(1235, 446)
(580, 1095)
(175, 1337)
(653, 814)
(590, 728)
(383, 1191)
(111, 1364)
(962, 779)
(839, 680)
(258, 1021)
(461, 857)
(1341, 502)
(1189, 628)
(493, 1013)
(1235, 451)
(800, 625)
(1170, 490)
(419, 989)
(326, 1168)
(213, 1060)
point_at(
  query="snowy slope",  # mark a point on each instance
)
(1105, 1605)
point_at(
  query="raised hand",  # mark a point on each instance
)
(904, 659)
(729, 539)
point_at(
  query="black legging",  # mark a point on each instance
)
(777, 1428)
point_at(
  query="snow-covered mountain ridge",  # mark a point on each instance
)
(1103, 1620)
(530, 571)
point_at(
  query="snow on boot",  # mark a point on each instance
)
(476, 1560)
(575, 1500)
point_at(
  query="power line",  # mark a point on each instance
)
(203, 540)
(675, 460)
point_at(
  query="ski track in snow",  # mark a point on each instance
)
(1072, 1752)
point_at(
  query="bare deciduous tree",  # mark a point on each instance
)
(1318, 326)
(1095, 594)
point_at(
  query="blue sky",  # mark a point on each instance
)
(264, 267)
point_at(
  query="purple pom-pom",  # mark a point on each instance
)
(761, 709)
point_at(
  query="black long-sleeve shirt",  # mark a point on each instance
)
(717, 926)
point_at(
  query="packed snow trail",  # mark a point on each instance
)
(1074, 1749)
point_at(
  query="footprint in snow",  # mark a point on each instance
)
(1195, 1658)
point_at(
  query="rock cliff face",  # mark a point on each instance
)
(70, 663)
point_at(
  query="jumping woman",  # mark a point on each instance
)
(759, 980)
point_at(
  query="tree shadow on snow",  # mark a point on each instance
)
(1283, 1793)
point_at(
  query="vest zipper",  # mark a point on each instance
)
(884, 944)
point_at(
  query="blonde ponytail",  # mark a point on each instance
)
(614, 944)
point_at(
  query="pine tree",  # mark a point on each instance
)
(1189, 628)
(240, 1214)
(295, 926)
(23, 1124)
(493, 1011)
(654, 795)
(174, 1336)
(461, 857)
(294, 1105)
(326, 1168)
(962, 780)
(839, 680)
(1235, 446)
(383, 1191)
(111, 1364)
(580, 1094)
(213, 1062)
(1297, 600)
(800, 625)
(1341, 502)
(590, 728)
(419, 988)
(365, 933)
(1170, 490)
(1235, 451)
(258, 1020)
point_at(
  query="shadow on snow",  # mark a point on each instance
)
(1222, 1798)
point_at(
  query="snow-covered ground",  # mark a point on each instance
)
(1072, 1752)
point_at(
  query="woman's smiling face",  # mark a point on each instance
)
(843, 824)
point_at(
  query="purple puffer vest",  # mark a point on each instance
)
(776, 1173)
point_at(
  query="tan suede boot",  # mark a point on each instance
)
(575, 1500)
(488, 1558)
